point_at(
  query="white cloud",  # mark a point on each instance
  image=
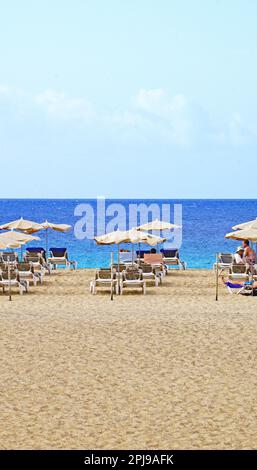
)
(175, 117)
(61, 106)
(152, 116)
(157, 102)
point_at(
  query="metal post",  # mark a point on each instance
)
(217, 277)
(9, 278)
(46, 244)
(119, 268)
(111, 275)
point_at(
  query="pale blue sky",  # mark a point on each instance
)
(136, 98)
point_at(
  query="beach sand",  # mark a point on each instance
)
(170, 370)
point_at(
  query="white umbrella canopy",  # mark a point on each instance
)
(246, 225)
(128, 236)
(22, 225)
(158, 225)
(15, 239)
(113, 238)
(4, 245)
(245, 234)
(137, 236)
(57, 227)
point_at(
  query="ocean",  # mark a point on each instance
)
(205, 223)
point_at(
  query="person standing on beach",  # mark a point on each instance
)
(249, 253)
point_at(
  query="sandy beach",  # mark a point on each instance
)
(173, 369)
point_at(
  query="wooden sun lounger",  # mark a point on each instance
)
(132, 279)
(14, 281)
(104, 278)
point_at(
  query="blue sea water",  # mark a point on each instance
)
(205, 223)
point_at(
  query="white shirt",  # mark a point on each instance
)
(238, 259)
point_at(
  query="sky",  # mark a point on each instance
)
(135, 99)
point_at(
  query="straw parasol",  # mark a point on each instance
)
(22, 225)
(52, 226)
(158, 225)
(15, 239)
(137, 236)
(245, 234)
(113, 238)
(127, 236)
(30, 227)
(246, 225)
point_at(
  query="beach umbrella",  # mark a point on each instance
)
(246, 225)
(14, 239)
(22, 225)
(63, 228)
(244, 234)
(158, 225)
(252, 224)
(114, 238)
(127, 236)
(137, 236)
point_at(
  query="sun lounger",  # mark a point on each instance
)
(128, 257)
(239, 271)
(38, 263)
(119, 268)
(26, 271)
(33, 250)
(141, 253)
(3, 266)
(149, 274)
(156, 261)
(104, 278)
(247, 288)
(59, 257)
(132, 279)
(9, 257)
(171, 258)
(12, 279)
(225, 260)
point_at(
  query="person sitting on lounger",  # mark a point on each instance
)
(239, 256)
(249, 253)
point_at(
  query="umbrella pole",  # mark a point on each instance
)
(111, 275)
(46, 244)
(252, 273)
(217, 277)
(119, 268)
(9, 279)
